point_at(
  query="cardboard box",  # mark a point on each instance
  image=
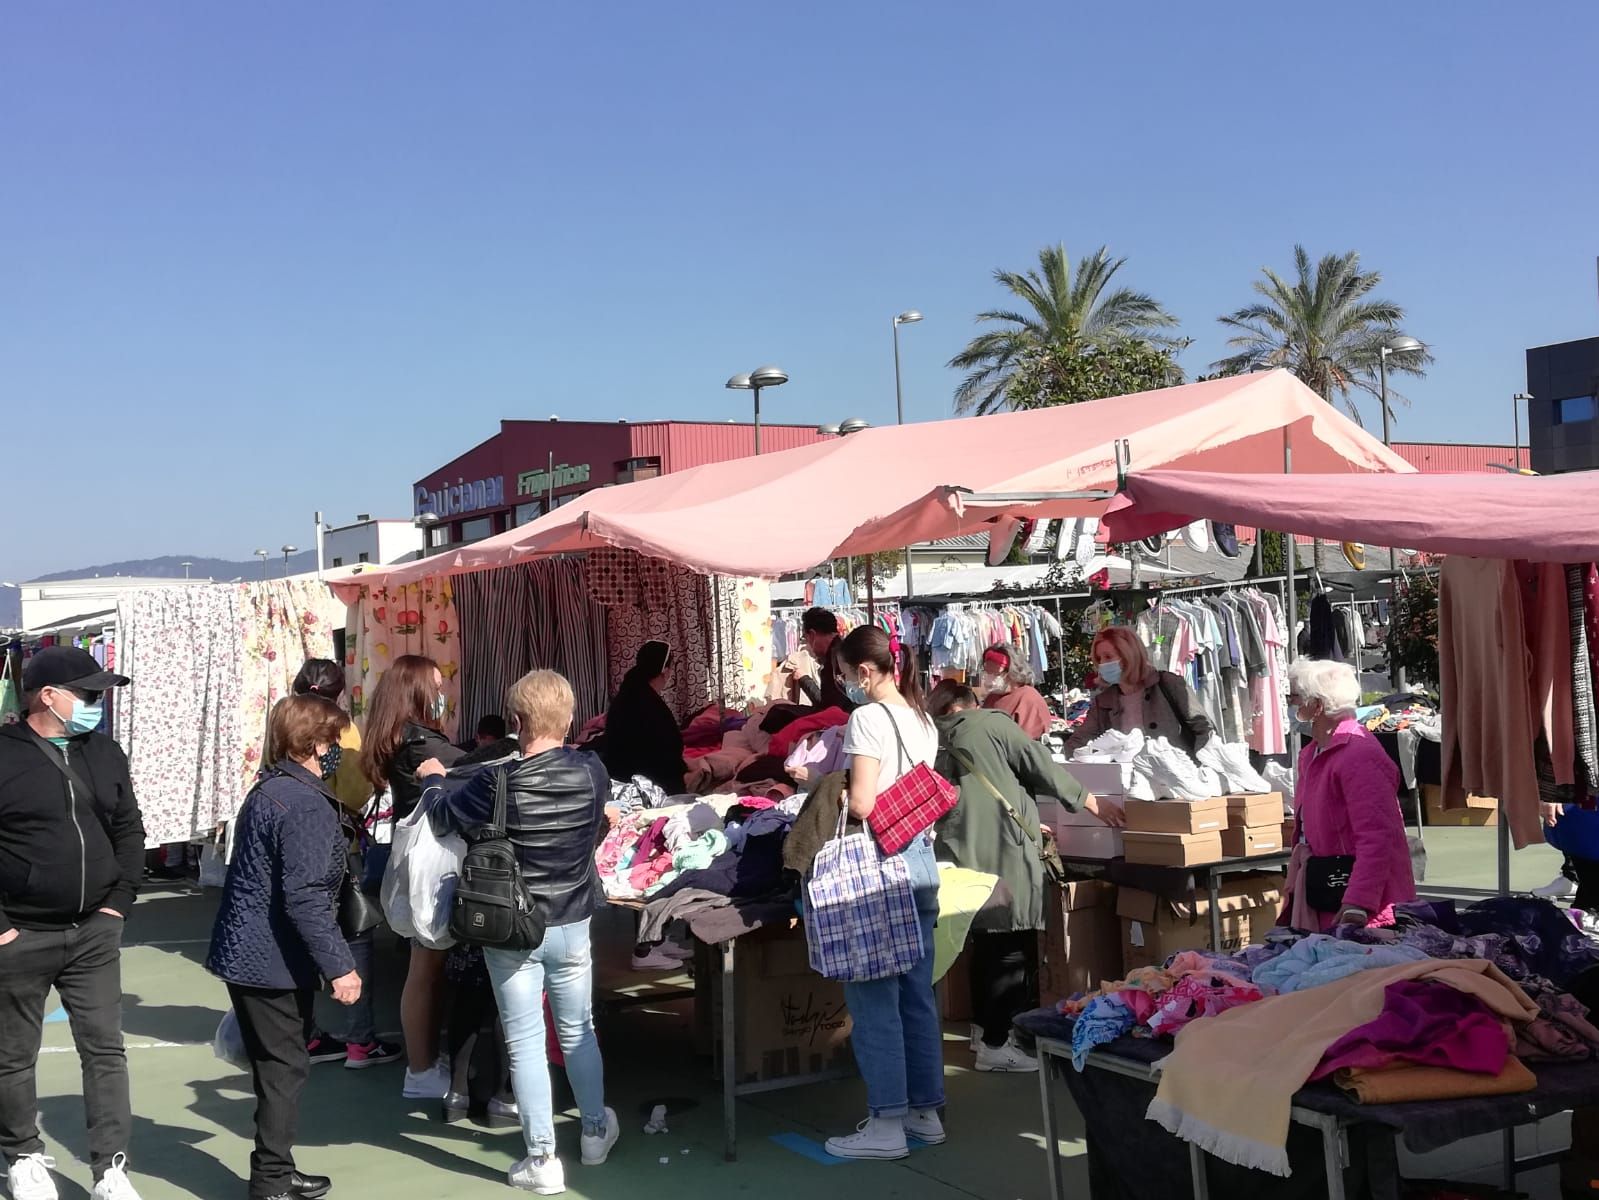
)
(1176, 816)
(1172, 849)
(1251, 812)
(1080, 946)
(1250, 842)
(1153, 929)
(1479, 810)
(1103, 779)
(791, 1021)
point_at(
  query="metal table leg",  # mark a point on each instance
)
(729, 1057)
(1046, 1079)
(1510, 1154)
(1213, 887)
(1196, 1164)
(1332, 1155)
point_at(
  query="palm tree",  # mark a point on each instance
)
(1325, 327)
(1068, 312)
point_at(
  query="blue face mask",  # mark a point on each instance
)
(855, 694)
(441, 705)
(1110, 673)
(84, 718)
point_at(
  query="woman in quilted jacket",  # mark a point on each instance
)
(277, 936)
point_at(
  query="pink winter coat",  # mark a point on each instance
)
(1347, 802)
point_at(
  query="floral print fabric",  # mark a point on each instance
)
(282, 622)
(389, 623)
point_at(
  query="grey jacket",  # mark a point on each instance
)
(1171, 711)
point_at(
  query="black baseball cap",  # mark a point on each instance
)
(68, 667)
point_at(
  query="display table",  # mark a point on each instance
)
(1337, 1146)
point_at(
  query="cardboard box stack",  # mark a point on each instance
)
(1254, 826)
(1154, 929)
(1080, 947)
(1175, 833)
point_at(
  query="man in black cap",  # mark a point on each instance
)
(71, 858)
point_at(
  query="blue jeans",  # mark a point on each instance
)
(562, 966)
(899, 1036)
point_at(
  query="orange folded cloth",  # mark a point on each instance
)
(1402, 1085)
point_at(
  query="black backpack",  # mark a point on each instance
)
(493, 906)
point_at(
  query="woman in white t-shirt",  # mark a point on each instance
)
(897, 1038)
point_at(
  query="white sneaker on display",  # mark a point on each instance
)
(541, 1176)
(1230, 760)
(29, 1178)
(1174, 774)
(597, 1146)
(875, 1138)
(432, 1084)
(1558, 888)
(1009, 1059)
(926, 1128)
(114, 1184)
(1112, 746)
(1139, 785)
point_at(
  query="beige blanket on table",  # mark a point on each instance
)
(1229, 1084)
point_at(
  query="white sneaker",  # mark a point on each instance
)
(29, 1178)
(1139, 785)
(541, 1176)
(875, 1137)
(926, 1128)
(1558, 888)
(977, 1037)
(1230, 760)
(432, 1084)
(597, 1146)
(679, 952)
(1006, 1059)
(1112, 746)
(656, 960)
(114, 1183)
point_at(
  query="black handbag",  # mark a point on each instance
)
(1326, 880)
(358, 912)
(493, 906)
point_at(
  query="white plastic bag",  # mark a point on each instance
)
(419, 882)
(228, 1045)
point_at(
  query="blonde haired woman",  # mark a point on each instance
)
(555, 816)
(1136, 696)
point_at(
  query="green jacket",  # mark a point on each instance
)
(978, 833)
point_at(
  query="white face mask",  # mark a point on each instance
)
(996, 684)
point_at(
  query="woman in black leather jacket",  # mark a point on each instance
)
(404, 730)
(555, 817)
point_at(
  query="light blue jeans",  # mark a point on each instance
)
(562, 966)
(898, 1036)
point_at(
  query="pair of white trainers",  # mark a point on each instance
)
(547, 1177)
(1173, 774)
(1112, 746)
(1230, 760)
(888, 1138)
(30, 1179)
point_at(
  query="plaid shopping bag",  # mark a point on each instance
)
(861, 921)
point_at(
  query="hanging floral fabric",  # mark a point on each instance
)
(389, 623)
(282, 622)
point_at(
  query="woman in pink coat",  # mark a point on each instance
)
(1346, 803)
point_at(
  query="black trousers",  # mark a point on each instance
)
(84, 965)
(1586, 871)
(1004, 980)
(273, 1024)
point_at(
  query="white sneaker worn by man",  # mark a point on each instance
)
(1007, 1059)
(432, 1084)
(926, 1128)
(597, 1146)
(541, 1176)
(1558, 888)
(29, 1178)
(875, 1138)
(114, 1184)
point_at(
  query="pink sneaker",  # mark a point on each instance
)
(374, 1053)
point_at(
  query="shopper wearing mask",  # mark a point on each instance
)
(1346, 807)
(71, 861)
(1008, 688)
(404, 729)
(1136, 696)
(820, 629)
(341, 771)
(641, 733)
(898, 1037)
(555, 817)
(276, 936)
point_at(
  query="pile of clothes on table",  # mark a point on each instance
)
(729, 844)
(757, 752)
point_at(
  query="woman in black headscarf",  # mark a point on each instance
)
(641, 734)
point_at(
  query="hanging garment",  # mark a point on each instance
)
(1583, 717)
(389, 623)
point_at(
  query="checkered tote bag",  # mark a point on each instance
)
(861, 921)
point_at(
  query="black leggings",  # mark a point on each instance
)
(1587, 875)
(1004, 980)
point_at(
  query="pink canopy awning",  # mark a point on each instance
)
(1552, 518)
(888, 487)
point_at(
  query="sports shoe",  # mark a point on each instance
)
(541, 1176)
(1558, 888)
(432, 1084)
(1006, 1059)
(1174, 774)
(674, 950)
(1112, 746)
(29, 1178)
(977, 1037)
(875, 1137)
(656, 960)
(114, 1183)
(597, 1146)
(926, 1128)
(325, 1049)
(1230, 760)
(372, 1054)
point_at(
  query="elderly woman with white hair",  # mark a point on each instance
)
(1351, 861)
(1008, 688)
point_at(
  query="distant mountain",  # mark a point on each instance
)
(171, 567)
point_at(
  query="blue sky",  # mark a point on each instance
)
(260, 260)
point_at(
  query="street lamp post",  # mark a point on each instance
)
(263, 555)
(1515, 414)
(844, 428)
(761, 377)
(1403, 344)
(186, 566)
(288, 550)
(909, 317)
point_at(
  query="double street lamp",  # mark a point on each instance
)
(761, 377)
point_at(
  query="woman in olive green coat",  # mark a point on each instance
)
(980, 751)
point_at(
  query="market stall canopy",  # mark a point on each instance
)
(888, 487)
(1551, 518)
